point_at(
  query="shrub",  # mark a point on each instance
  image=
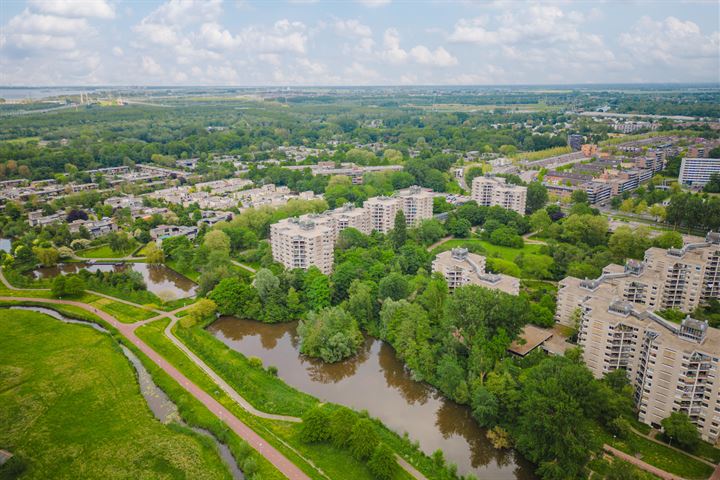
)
(255, 362)
(250, 466)
(341, 426)
(315, 426)
(272, 370)
(363, 439)
(382, 463)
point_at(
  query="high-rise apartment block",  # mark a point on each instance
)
(302, 243)
(415, 202)
(680, 278)
(696, 172)
(460, 268)
(672, 367)
(491, 191)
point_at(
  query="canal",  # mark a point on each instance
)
(376, 380)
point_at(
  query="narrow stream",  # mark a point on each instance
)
(160, 404)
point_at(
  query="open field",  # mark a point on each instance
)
(103, 251)
(70, 407)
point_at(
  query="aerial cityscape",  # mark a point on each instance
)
(362, 240)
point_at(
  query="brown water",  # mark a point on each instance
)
(376, 381)
(164, 282)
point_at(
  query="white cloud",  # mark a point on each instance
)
(374, 3)
(150, 66)
(75, 8)
(352, 28)
(392, 52)
(670, 41)
(118, 52)
(361, 72)
(437, 58)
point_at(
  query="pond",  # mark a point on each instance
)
(5, 245)
(376, 380)
(164, 282)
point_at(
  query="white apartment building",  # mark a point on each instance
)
(347, 216)
(417, 204)
(492, 191)
(302, 243)
(460, 267)
(696, 172)
(672, 368)
(382, 211)
(680, 278)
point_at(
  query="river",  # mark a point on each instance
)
(376, 380)
(164, 282)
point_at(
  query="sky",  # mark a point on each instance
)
(357, 42)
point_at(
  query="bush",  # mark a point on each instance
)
(382, 463)
(272, 370)
(363, 439)
(315, 426)
(342, 422)
(250, 466)
(255, 362)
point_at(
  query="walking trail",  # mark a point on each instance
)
(128, 331)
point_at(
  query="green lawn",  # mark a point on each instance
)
(660, 456)
(487, 248)
(70, 407)
(103, 251)
(123, 312)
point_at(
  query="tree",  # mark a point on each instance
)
(361, 302)
(331, 334)
(679, 429)
(382, 463)
(540, 220)
(58, 286)
(363, 439)
(200, 311)
(428, 232)
(217, 241)
(24, 259)
(399, 232)
(668, 240)
(266, 283)
(48, 257)
(579, 196)
(153, 253)
(315, 425)
(537, 197)
(394, 286)
(120, 241)
(585, 228)
(458, 227)
(342, 422)
(317, 289)
(657, 211)
(484, 406)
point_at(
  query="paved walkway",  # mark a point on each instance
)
(640, 464)
(285, 466)
(242, 265)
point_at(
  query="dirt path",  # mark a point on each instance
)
(285, 466)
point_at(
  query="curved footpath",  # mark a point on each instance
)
(284, 465)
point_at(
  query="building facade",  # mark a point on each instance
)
(382, 211)
(302, 243)
(417, 204)
(696, 172)
(671, 367)
(492, 191)
(679, 278)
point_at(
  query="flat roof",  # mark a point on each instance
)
(533, 337)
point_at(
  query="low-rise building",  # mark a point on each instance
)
(96, 228)
(37, 219)
(460, 268)
(162, 232)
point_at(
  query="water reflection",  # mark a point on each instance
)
(375, 380)
(160, 280)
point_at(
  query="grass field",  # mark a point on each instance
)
(70, 407)
(660, 456)
(103, 251)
